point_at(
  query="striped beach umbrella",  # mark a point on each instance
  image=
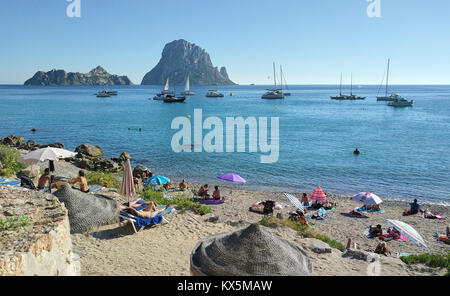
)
(318, 194)
(407, 230)
(295, 202)
(367, 198)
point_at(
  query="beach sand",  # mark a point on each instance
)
(165, 249)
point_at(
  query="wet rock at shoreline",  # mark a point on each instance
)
(89, 150)
(53, 145)
(13, 141)
(140, 170)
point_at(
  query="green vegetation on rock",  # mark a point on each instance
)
(9, 157)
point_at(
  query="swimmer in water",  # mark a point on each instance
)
(356, 152)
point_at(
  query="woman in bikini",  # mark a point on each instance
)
(148, 212)
(84, 187)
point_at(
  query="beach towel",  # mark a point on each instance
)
(2, 180)
(209, 201)
(95, 189)
(362, 209)
(403, 238)
(143, 221)
(437, 216)
(320, 212)
(11, 183)
(368, 235)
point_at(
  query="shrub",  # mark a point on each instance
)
(183, 202)
(103, 179)
(9, 158)
(306, 231)
(431, 260)
(13, 223)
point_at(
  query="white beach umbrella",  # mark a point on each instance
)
(295, 202)
(367, 198)
(46, 154)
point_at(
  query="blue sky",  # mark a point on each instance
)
(314, 40)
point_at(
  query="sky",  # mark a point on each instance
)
(314, 40)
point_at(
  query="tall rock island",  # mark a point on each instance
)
(181, 58)
(97, 76)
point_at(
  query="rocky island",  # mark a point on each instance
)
(181, 58)
(97, 76)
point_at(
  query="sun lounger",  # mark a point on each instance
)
(144, 222)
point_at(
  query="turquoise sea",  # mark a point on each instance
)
(405, 152)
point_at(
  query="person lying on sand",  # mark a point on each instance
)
(382, 249)
(350, 245)
(298, 216)
(138, 203)
(329, 205)
(168, 186)
(392, 233)
(429, 214)
(317, 215)
(355, 213)
(376, 231)
(147, 212)
(445, 238)
(316, 205)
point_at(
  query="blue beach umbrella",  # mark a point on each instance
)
(156, 181)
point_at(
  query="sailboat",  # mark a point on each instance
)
(187, 91)
(340, 97)
(161, 96)
(283, 78)
(275, 93)
(352, 96)
(387, 98)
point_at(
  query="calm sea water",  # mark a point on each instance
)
(405, 151)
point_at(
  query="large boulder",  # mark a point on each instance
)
(13, 141)
(89, 150)
(53, 145)
(106, 165)
(315, 245)
(30, 145)
(87, 211)
(33, 172)
(140, 170)
(125, 156)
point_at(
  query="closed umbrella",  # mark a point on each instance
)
(408, 231)
(318, 195)
(230, 177)
(295, 202)
(127, 187)
(367, 198)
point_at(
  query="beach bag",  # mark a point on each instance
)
(268, 208)
(26, 182)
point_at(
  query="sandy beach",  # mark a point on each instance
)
(165, 249)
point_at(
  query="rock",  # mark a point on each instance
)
(140, 170)
(181, 59)
(106, 165)
(33, 172)
(53, 145)
(212, 218)
(85, 163)
(280, 216)
(89, 150)
(224, 72)
(315, 245)
(97, 76)
(360, 255)
(13, 141)
(124, 156)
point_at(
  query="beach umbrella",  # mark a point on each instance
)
(156, 181)
(408, 231)
(295, 202)
(230, 177)
(318, 194)
(367, 198)
(46, 154)
(127, 187)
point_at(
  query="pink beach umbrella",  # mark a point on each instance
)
(127, 188)
(318, 195)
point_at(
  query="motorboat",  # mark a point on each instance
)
(103, 94)
(401, 102)
(213, 93)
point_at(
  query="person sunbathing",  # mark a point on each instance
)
(329, 205)
(138, 203)
(203, 192)
(316, 205)
(367, 207)
(168, 186)
(318, 215)
(44, 180)
(382, 249)
(183, 185)
(375, 231)
(82, 182)
(445, 238)
(305, 200)
(355, 213)
(149, 212)
(216, 193)
(298, 216)
(392, 233)
(350, 245)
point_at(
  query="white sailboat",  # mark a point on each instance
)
(283, 79)
(275, 93)
(161, 96)
(187, 91)
(387, 98)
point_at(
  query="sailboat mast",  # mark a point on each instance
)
(340, 87)
(387, 77)
(274, 76)
(351, 85)
(281, 78)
